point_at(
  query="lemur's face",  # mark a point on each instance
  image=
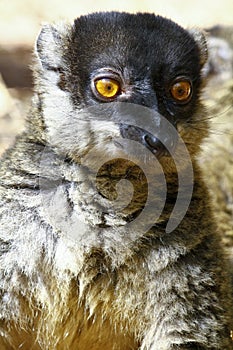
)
(104, 64)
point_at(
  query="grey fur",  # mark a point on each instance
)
(107, 288)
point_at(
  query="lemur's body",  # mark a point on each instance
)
(108, 286)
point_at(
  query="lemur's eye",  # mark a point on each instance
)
(107, 88)
(181, 90)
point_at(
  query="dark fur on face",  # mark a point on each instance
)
(157, 52)
(85, 263)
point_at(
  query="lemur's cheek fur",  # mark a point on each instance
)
(107, 237)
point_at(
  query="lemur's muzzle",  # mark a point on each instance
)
(161, 144)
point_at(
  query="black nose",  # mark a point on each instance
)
(145, 138)
(153, 144)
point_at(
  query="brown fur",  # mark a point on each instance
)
(111, 287)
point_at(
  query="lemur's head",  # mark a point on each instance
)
(119, 99)
(113, 76)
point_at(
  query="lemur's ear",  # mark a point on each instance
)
(50, 45)
(200, 38)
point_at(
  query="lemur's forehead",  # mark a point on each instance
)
(119, 38)
(129, 24)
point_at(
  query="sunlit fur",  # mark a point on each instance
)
(73, 273)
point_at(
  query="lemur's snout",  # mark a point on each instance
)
(153, 144)
(159, 147)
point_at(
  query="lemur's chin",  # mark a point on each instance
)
(107, 238)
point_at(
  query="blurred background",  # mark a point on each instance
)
(20, 21)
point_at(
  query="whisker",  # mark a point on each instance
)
(212, 131)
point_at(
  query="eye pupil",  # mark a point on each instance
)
(180, 91)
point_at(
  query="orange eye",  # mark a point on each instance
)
(181, 90)
(107, 87)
